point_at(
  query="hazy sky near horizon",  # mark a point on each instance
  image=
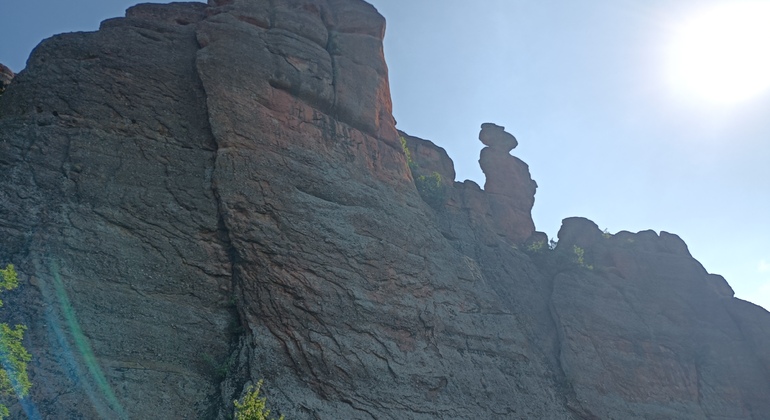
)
(590, 91)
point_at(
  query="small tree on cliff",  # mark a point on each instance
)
(253, 406)
(14, 382)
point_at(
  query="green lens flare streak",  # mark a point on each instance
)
(83, 345)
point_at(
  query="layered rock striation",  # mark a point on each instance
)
(199, 196)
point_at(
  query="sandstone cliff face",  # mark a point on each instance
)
(200, 196)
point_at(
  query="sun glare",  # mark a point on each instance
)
(722, 54)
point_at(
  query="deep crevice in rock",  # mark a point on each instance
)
(234, 379)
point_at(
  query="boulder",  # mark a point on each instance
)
(496, 137)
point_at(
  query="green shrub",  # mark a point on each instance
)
(580, 257)
(430, 188)
(253, 407)
(409, 161)
(9, 280)
(14, 381)
(536, 247)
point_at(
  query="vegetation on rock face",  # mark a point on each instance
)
(580, 257)
(429, 186)
(409, 161)
(540, 247)
(252, 406)
(536, 247)
(9, 280)
(551, 259)
(14, 382)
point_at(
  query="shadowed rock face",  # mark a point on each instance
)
(110, 211)
(648, 333)
(6, 75)
(199, 196)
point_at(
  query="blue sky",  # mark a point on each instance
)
(585, 87)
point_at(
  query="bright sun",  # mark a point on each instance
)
(723, 54)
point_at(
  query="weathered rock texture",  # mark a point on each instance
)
(200, 196)
(496, 137)
(6, 75)
(509, 186)
(648, 333)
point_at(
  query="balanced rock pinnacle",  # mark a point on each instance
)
(199, 196)
(496, 137)
(508, 181)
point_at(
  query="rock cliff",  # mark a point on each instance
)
(199, 196)
(6, 75)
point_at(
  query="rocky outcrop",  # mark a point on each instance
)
(506, 175)
(428, 159)
(110, 212)
(6, 75)
(509, 183)
(495, 137)
(502, 209)
(648, 333)
(201, 196)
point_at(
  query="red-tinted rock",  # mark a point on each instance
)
(509, 176)
(201, 196)
(429, 158)
(502, 208)
(110, 214)
(509, 185)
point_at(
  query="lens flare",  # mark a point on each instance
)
(722, 55)
(80, 361)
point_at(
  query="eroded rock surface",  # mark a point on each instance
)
(6, 75)
(109, 211)
(648, 333)
(429, 158)
(496, 137)
(509, 184)
(201, 196)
